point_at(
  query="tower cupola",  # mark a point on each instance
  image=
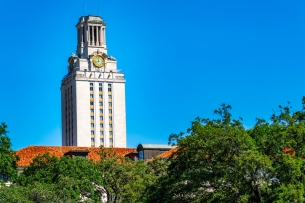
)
(91, 36)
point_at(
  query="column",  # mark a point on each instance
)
(96, 35)
(104, 36)
(89, 35)
(82, 36)
(93, 39)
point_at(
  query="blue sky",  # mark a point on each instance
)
(181, 60)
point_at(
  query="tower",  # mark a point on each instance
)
(93, 91)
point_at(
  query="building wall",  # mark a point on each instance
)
(83, 114)
(119, 114)
(111, 102)
(93, 117)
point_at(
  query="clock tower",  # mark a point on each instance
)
(93, 91)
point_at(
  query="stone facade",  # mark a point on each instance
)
(93, 99)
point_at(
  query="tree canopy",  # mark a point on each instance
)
(217, 160)
(8, 158)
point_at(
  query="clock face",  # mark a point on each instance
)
(98, 60)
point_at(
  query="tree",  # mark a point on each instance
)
(66, 179)
(216, 162)
(124, 180)
(282, 140)
(8, 158)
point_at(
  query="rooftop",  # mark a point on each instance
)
(153, 146)
(167, 154)
(91, 19)
(29, 153)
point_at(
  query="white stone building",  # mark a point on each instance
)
(93, 91)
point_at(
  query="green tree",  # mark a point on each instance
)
(13, 194)
(216, 162)
(8, 158)
(66, 179)
(282, 140)
(124, 180)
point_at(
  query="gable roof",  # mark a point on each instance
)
(29, 153)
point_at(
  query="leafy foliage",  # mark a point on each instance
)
(8, 158)
(221, 161)
(123, 179)
(73, 179)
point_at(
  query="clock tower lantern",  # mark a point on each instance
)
(93, 91)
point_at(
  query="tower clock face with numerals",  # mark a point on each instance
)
(98, 60)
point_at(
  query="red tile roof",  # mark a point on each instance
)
(29, 153)
(167, 154)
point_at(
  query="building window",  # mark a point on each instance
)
(101, 96)
(101, 103)
(102, 133)
(109, 104)
(110, 111)
(110, 118)
(109, 85)
(91, 88)
(92, 139)
(101, 110)
(101, 118)
(109, 89)
(91, 103)
(91, 95)
(92, 132)
(92, 110)
(100, 84)
(109, 96)
(92, 117)
(110, 133)
(100, 89)
(110, 125)
(102, 140)
(110, 140)
(92, 124)
(91, 84)
(101, 125)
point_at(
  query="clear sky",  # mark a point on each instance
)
(181, 60)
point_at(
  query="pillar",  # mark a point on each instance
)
(93, 38)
